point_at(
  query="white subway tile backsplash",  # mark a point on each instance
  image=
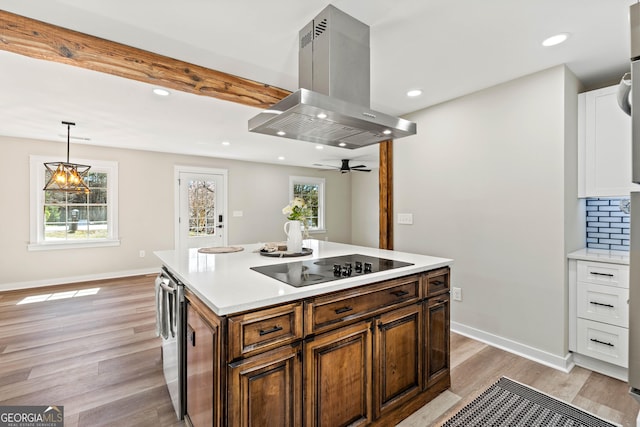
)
(607, 226)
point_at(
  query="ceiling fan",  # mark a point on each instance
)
(345, 168)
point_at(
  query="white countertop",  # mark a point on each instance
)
(227, 285)
(600, 255)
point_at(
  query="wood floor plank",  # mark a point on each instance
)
(97, 355)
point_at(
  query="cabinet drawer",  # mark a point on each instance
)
(602, 273)
(437, 282)
(257, 331)
(605, 342)
(324, 312)
(607, 304)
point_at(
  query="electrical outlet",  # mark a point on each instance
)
(142, 254)
(456, 294)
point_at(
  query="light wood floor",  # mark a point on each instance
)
(98, 356)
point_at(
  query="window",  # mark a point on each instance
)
(70, 220)
(310, 189)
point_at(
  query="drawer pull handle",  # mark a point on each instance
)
(438, 283)
(595, 273)
(602, 342)
(600, 304)
(270, 331)
(400, 293)
(343, 310)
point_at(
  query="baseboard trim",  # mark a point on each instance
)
(564, 364)
(75, 279)
(600, 366)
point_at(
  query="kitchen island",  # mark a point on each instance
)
(363, 349)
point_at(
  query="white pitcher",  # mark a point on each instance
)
(293, 230)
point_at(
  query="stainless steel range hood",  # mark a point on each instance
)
(332, 105)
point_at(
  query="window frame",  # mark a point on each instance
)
(37, 241)
(320, 182)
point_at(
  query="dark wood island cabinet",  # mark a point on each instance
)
(369, 355)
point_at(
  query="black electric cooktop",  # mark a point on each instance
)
(320, 270)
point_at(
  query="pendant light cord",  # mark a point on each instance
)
(69, 124)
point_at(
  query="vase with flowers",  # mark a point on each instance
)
(297, 213)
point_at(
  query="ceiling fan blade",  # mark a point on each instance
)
(361, 170)
(359, 166)
(326, 166)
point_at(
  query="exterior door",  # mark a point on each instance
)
(201, 213)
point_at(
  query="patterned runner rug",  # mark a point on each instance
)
(509, 404)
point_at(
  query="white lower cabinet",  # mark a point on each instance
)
(599, 316)
(606, 304)
(604, 342)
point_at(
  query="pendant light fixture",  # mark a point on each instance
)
(67, 176)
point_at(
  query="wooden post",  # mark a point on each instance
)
(386, 195)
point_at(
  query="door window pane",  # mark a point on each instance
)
(202, 216)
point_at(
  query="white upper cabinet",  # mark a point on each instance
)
(604, 150)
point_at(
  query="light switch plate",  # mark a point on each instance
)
(238, 213)
(405, 218)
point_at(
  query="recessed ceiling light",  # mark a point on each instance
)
(161, 92)
(321, 116)
(555, 40)
(319, 147)
(225, 143)
(343, 144)
(281, 133)
(414, 92)
(386, 132)
(280, 157)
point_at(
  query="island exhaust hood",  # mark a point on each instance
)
(332, 105)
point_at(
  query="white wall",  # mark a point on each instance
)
(146, 211)
(365, 204)
(485, 181)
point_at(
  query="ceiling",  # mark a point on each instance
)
(447, 49)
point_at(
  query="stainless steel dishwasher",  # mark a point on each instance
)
(171, 327)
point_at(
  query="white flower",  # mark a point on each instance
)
(299, 202)
(297, 210)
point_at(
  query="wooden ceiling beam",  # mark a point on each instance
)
(36, 39)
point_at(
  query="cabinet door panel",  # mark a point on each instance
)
(608, 146)
(437, 338)
(265, 390)
(398, 357)
(338, 377)
(201, 358)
